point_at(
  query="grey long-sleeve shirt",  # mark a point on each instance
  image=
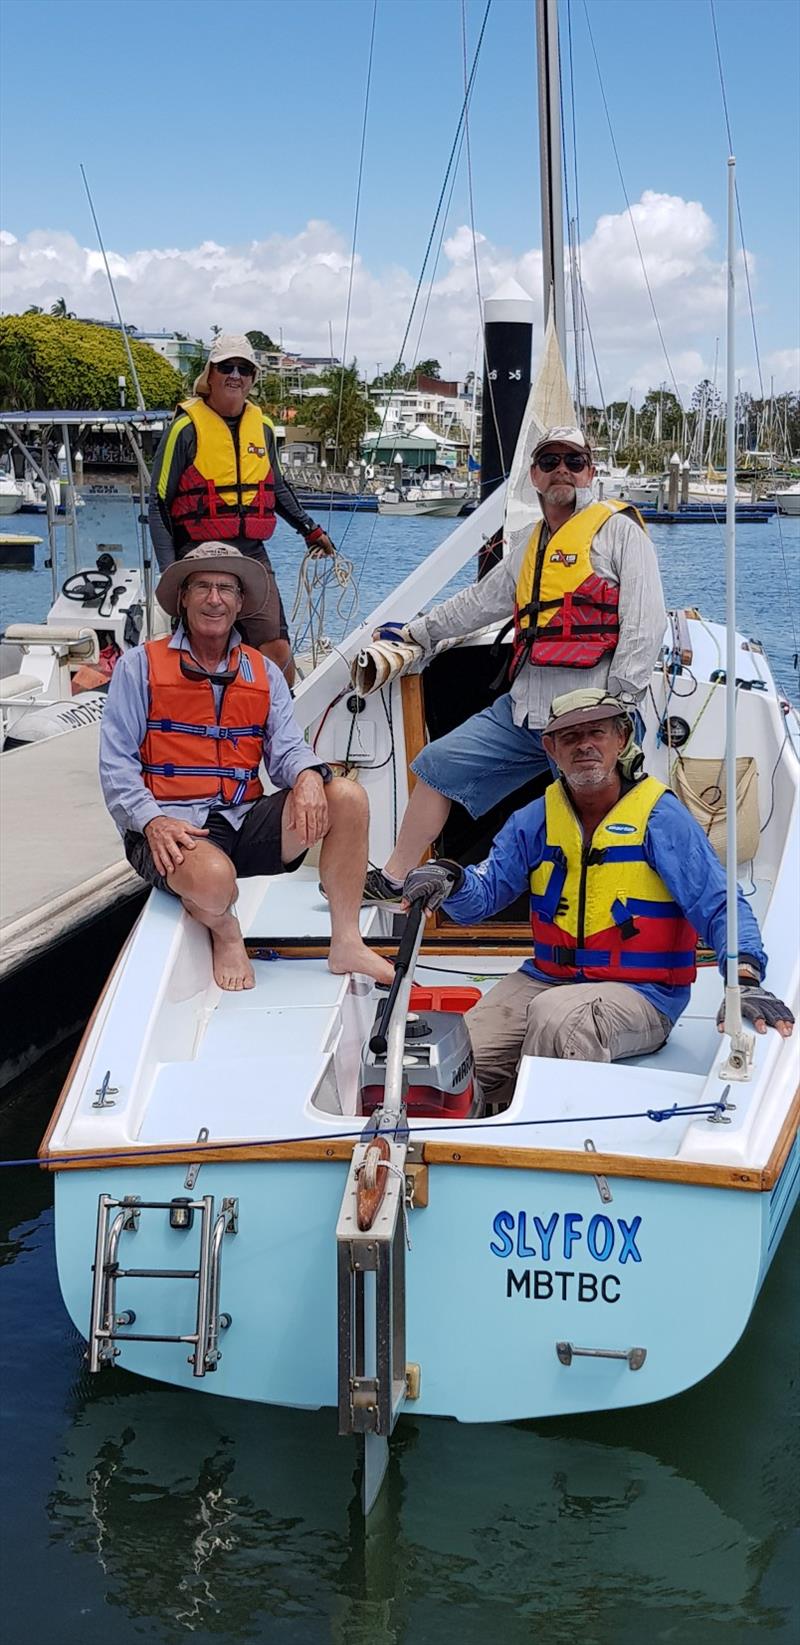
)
(621, 552)
(170, 541)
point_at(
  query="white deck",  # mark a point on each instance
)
(281, 1061)
(62, 861)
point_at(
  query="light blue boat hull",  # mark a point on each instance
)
(670, 1267)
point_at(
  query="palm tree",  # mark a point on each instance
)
(60, 311)
(34, 309)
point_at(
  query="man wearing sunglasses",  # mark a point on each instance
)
(216, 477)
(188, 720)
(588, 611)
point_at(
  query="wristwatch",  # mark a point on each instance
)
(324, 771)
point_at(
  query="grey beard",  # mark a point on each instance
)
(590, 776)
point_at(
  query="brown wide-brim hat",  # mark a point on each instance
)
(216, 558)
(582, 708)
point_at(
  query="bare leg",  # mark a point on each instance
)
(206, 885)
(342, 866)
(426, 814)
(280, 653)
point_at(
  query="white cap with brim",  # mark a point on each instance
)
(565, 437)
(230, 345)
(216, 558)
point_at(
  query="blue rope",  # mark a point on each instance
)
(657, 1115)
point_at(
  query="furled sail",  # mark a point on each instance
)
(549, 406)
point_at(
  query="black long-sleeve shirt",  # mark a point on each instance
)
(170, 540)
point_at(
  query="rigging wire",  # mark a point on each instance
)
(790, 600)
(478, 292)
(629, 208)
(355, 238)
(453, 158)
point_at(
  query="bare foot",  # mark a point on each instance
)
(232, 968)
(354, 955)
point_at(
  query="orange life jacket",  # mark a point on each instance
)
(191, 752)
(229, 489)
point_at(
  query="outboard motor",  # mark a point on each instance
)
(438, 1062)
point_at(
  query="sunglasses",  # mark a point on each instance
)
(551, 460)
(228, 367)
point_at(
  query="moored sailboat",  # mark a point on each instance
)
(600, 1242)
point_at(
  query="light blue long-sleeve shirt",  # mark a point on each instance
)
(674, 845)
(122, 732)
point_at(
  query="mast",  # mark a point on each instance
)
(740, 1055)
(550, 163)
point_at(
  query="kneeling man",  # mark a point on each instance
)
(187, 722)
(621, 880)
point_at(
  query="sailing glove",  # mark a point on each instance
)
(394, 633)
(433, 883)
(759, 1005)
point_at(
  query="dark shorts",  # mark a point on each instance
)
(270, 622)
(255, 848)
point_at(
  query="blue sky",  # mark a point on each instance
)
(240, 121)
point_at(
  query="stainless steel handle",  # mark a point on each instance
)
(635, 1357)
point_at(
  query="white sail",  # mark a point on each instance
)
(549, 405)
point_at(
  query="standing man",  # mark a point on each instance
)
(188, 720)
(216, 477)
(621, 879)
(588, 610)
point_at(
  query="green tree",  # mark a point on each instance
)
(324, 416)
(47, 362)
(260, 339)
(60, 311)
(427, 368)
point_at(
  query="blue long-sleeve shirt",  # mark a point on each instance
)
(674, 845)
(122, 732)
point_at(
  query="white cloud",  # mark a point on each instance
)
(298, 284)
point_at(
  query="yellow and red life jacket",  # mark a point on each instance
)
(599, 912)
(191, 752)
(565, 615)
(229, 489)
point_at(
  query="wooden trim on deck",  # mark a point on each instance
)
(754, 1179)
(414, 731)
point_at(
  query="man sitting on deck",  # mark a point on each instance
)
(187, 722)
(621, 879)
(588, 610)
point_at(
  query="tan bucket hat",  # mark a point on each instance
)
(230, 345)
(582, 708)
(216, 557)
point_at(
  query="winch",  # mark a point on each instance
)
(438, 1062)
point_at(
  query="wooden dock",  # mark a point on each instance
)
(61, 858)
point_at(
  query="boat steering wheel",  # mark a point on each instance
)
(90, 587)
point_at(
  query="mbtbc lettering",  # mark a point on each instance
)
(542, 1285)
(604, 1237)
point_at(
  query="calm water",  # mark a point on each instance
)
(133, 1512)
(384, 551)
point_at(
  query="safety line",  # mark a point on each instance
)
(656, 1115)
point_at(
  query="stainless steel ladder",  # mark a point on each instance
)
(107, 1327)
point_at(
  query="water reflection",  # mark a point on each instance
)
(173, 1515)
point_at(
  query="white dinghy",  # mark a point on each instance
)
(239, 1211)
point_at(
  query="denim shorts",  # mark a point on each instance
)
(484, 759)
